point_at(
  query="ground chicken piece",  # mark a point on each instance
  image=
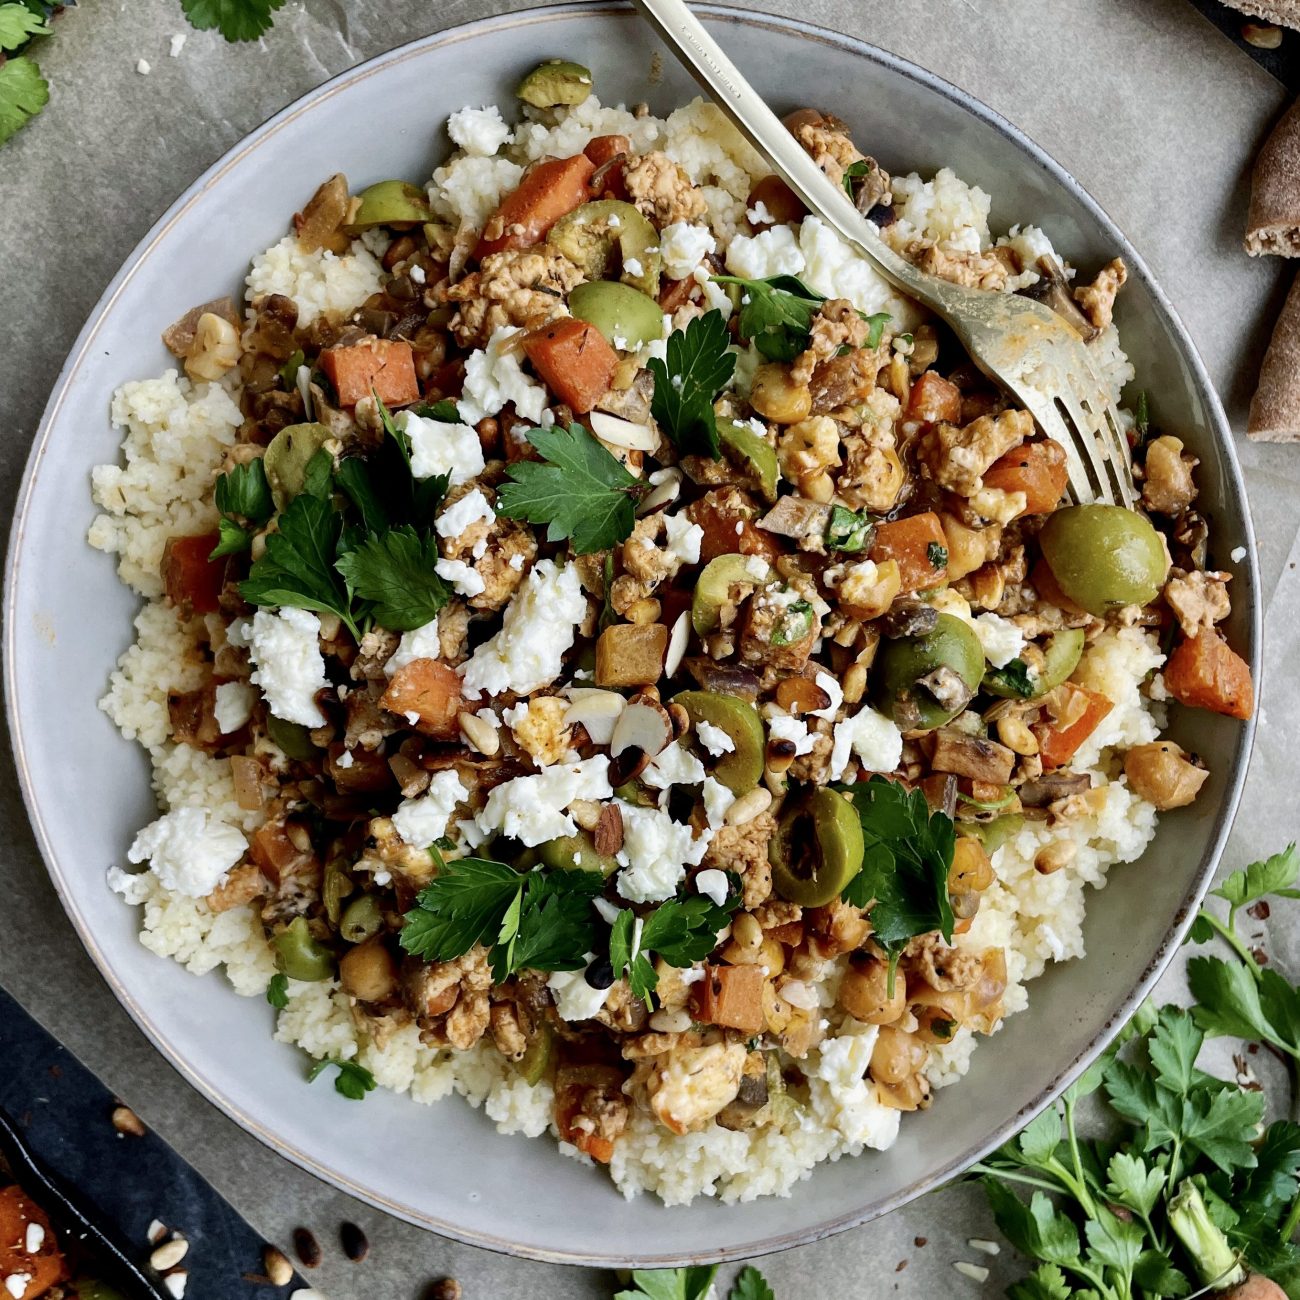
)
(957, 457)
(453, 631)
(836, 928)
(662, 190)
(508, 1031)
(602, 1112)
(814, 767)
(541, 731)
(1098, 298)
(809, 446)
(415, 866)
(623, 1012)
(242, 886)
(644, 561)
(942, 967)
(520, 286)
(836, 325)
(775, 913)
(692, 1083)
(743, 850)
(960, 266)
(779, 630)
(845, 381)
(431, 989)
(375, 651)
(672, 992)
(499, 551)
(872, 476)
(829, 146)
(1200, 600)
(1169, 487)
(468, 1020)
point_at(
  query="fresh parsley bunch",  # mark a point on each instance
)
(23, 91)
(682, 932)
(698, 365)
(694, 1284)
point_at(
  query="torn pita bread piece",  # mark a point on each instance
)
(1273, 225)
(1275, 408)
(1284, 12)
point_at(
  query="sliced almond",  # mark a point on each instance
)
(678, 639)
(622, 433)
(607, 838)
(643, 725)
(663, 493)
(596, 711)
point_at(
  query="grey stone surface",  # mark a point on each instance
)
(1151, 108)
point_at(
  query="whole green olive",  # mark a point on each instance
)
(299, 956)
(1104, 557)
(362, 918)
(817, 848)
(925, 681)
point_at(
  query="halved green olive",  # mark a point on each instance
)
(588, 236)
(1104, 557)
(1061, 657)
(391, 203)
(300, 956)
(923, 682)
(993, 835)
(539, 1055)
(575, 853)
(741, 769)
(625, 316)
(636, 793)
(287, 456)
(293, 739)
(362, 918)
(555, 82)
(751, 452)
(817, 848)
(714, 588)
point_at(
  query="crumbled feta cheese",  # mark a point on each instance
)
(464, 577)
(832, 688)
(422, 820)
(759, 215)
(233, 706)
(658, 851)
(438, 447)
(608, 911)
(632, 266)
(539, 626)
(416, 272)
(675, 766)
(774, 251)
(684, 538)
(33, 1238)
(345, 760)
(175, 1283)
(575, 999)
(479, 131)
(781, 726)
(715, 296)
(495, 376)
(472, 508)
(842, 1097)
(712, 884)
(718, 799)
(176, 44)
(189, 850)
(683, 247)
(16, 1284)
(757, 568)
(876, 741)
(1001, 639)
(144, 68)
(714, 739)
(411, 716)
(531, 808)
(515, 716)
(419, 643)
(1238, 554)
(517, 561)
(290, 668)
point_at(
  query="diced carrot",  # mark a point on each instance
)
(727, 518)
(573, 1084)
(36, 1270)
(429, 689)
(191, 581)
(782, 203)
(548, 190)
(934, 398)
(909, 541)
(1056, 747)
(732, 996)
(605, 148)
(385, 365)
(1035, 468)
(272, 849)
(1205, 672)
(575, 361)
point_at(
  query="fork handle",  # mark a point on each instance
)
(683, 33)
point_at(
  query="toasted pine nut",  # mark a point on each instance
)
(169, 1254)
(482, 735)
(645, 610)
(1052, 857)
(749, 806)
(855, 683)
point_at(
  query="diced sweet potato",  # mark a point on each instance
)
(718, 513)
(386, 366)
(548, 190)
(39, 1269)
(272, 849)
(1056, 747)
(731, 996)
(601, 149)
(574, 360)
(934, 398)
(191, 581)
(1204, 672)
(429, 690)
(631, 654)
(1035, 468)
(910, 541)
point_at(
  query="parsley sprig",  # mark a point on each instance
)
(682, 932)
(352, 1081)
(694, 1284)
(236, 20)
(698, 366)
(244, 498)
(23, 91)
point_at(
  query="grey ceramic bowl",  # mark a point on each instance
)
(67, 619)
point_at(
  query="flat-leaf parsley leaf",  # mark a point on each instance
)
(698, 366)
(236, 20)
(395, 571)
(353, 1081)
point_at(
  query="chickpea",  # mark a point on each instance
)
(968, 548)
(215, 348)
(776, 397)
(1162, 774)
(911, 1094)
(368, 971)
(1169, 488)
(896, 1056)
(938, 1015)
(884, 481)
(864, 991)
(868, 589)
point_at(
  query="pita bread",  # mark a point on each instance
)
(1275, 408)
(1273, 224)
(1285, 12)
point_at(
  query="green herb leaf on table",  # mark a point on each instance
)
(277, 991)
(580, 492)
(18, 24)
(698, 366)
(353, 1081)
(23, 93)
(670, 1283)
(395, 572)
(1275, 875)
(236, 20)
(750, 1284)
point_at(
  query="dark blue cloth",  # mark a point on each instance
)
(1283, 62)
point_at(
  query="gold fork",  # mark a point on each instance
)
(1022, 345)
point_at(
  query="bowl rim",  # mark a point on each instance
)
(1235, 494)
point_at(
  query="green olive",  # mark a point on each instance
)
(362, 918)
(752, 453)
(993, 835)
(539, 1056)
(817, 848)
(741, 769)
(1061, 657)
(626, 317)
(554, 83)
(575, 853)
(287, 456)
(635, 793)
(1104, 557)
(391, 203)
(910, 685)
(293, 739)
(714, 588)
(588, 236)
(299, 956)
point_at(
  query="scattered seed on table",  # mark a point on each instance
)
(918, 1242)
(976, 1272)
(126, 1121)
(984, 1245)
(169, 1254)
(308, 1248)
(356, 1246)
(447, 1289)
(157, 1231)
(176, 1283)
(277, 1266)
